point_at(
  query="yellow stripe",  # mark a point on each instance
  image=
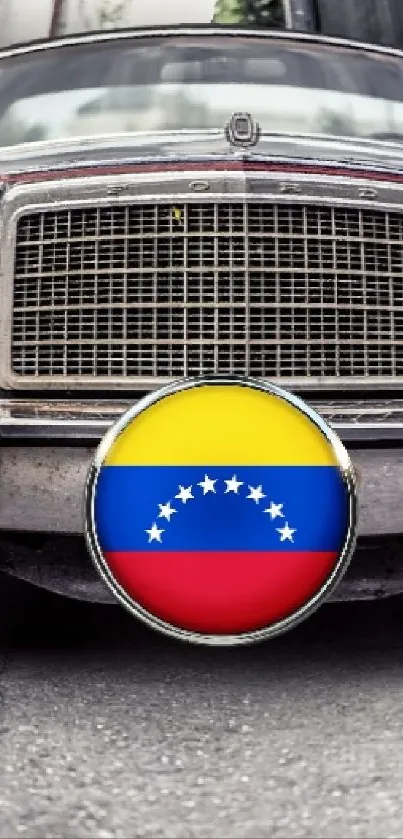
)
(221, 425)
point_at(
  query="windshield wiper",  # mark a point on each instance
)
(386, 135)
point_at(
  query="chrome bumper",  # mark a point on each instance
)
(46, 449)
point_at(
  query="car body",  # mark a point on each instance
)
(182, 200)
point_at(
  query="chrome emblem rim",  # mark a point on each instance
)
(347, 473)
(242, 130)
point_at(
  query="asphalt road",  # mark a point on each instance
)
(108, 730)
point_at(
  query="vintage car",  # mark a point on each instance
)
(191, 197)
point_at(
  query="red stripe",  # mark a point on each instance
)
(203, 166)
(221, 592)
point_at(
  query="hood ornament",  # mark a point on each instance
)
(242, 130)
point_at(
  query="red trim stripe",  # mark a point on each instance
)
(203, 166)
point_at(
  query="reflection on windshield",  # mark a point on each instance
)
(116, 89)
(173, 107)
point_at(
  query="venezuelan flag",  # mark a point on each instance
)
(221, 509)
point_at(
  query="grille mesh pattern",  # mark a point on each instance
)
(162, 290)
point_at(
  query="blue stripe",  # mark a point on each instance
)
(314, 504)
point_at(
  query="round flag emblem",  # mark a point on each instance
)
(221, 510)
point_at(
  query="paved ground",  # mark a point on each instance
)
(107, 730)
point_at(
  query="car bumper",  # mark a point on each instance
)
(46, 450)
(45, 454)
(42, 489)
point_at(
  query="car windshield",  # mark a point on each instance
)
(135, 85)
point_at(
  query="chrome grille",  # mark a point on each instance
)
(159, 290)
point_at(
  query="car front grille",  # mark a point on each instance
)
(162, 290)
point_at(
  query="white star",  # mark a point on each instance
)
(275, 511)
(256, 494)
(166, 511)
(154, 535)
(184, 494)
(207, 485)
(233, 485)
(286, 533)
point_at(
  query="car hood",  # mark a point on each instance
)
(197, 146)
